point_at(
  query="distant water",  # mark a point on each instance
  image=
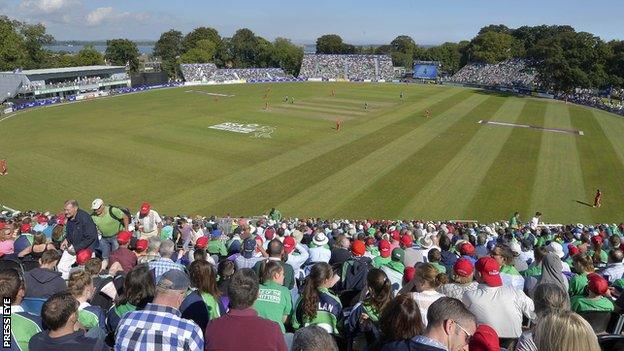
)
(143, 49)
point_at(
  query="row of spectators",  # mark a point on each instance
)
(203, 72)
(80, 81)
(509, 73)
(614, 103)
(112, 278)
(349, 67)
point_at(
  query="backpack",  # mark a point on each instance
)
(122, 209)
(354, 272)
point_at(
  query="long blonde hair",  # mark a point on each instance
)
(564, 331)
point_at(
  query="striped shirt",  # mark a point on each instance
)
(157, 328)
(162, 266)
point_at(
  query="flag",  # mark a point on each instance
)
(3, 167)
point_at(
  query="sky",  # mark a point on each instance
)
(358, 22)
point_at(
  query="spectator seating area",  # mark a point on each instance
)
(510, 73)
(79, 82)
(364, 279)
(205, 72)
(348, 67)
(588, 97)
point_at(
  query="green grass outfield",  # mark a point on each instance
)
(388, 161)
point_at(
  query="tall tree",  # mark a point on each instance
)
(169, 48)
(200, 33)
(121, 52)
(287, 55)
(88, 56)
(245, 48)
(202, 52)
(13, 53)
(449, 55)
(404, 50)
(330, 44)
(493, 47)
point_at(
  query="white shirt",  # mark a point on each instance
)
(614, 271)
(424, 300)
(320, 254)
(296, 261)
(534, 223)
(500, 307)
(149, 222)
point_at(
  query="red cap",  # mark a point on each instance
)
(463, 267)
(406, 241)
(60, 219)
(384, 248)
(466, 249)
(485, 338)
(289, 244)
(395, 235)
(42, 219)
(25, 228)
(83, 256)
(145, 208)
(2, 225)
(141, 244)
(123, 237)
(596, 240)
(358, 248)
(573, 250)
(489, 270)
(202, 242)
(597, 284)
(408, 274)
(269, 234)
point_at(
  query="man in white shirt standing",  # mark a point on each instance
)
(615, 267)
(498, 306)
(535, 220)
(148, 221)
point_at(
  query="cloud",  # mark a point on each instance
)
(47, 6)
(105, 15)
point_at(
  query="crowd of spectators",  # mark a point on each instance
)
(348, 67)
(197, 72)
(205, 72)
(80, 81)
(106, 278)
(509, 73)
(614, 102)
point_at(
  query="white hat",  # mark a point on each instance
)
(320, 239)
(96, 204)
(556, 248)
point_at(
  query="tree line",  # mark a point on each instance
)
(565, 58)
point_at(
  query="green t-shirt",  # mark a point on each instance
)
(513, 222)
(583, 304)
(88, 319)
(380, 261)
(22, 329)
(276, 215)
(212, 306)
(373, 250)
(166, 233)
(273, 303)
(534, 270)
(604, 257)
(578, 284)
(439, 267)
(217, 247)
(108, 225)
(289, 273)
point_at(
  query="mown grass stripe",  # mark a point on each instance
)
(512, 174)
(343, 185)
(287, 183)
(452, 189)
(559, 176)
(389, 195)
(601, 167)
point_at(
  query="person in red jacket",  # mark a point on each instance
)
(224, 333)
(598, 198)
